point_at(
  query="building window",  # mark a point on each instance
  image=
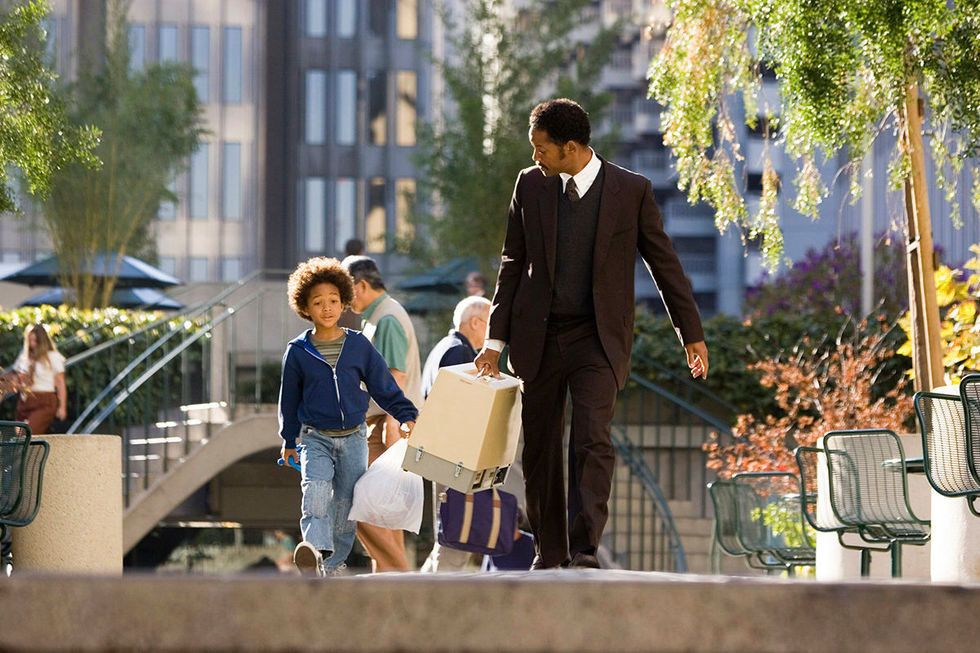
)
(231, 75)
(231, 181)
(622, 58)
(168, 43)
(198, 268)
(316, 18)
(201, 60)
(346, 119)
(168, 206)
(405, 109)
(345, 212)
(377, 122)
(378, 17)
(315, 214)
(316, 106)
(375, 222)
(231, 268)
(404, 198)
(346, 18)
(168, 264)
(198, 194)
(407, 19)
(137, 47)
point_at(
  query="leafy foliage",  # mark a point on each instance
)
(844, 68)
(74, 330)
(956, 294)
(36, 137)
(828, 282)
(502, 63)
(151, 121)
(817, 390)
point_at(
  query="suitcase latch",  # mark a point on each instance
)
(418, 454)
(459, 470)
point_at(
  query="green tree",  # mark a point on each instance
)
(151, 121)
(848, 70)
(36, 138)
(501, 64)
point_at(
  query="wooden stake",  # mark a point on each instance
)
(927, 356)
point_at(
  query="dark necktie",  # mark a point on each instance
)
(571, 192)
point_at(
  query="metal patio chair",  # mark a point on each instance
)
(869, 489)
(945, 425)
(770, 517)
(22, 463)
(820, 515)
(722, 493)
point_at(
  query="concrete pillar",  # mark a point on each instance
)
(835, 562)
(79, 526)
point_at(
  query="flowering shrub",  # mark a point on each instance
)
(828, 282)
(956, 294)
(817, 390)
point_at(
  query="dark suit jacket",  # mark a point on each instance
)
(629, 221)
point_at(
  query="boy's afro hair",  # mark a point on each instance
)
(318, 270)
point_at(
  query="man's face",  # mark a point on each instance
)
(360, 301)
(548, 155)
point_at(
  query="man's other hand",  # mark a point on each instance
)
(697, 359)
(488, 363)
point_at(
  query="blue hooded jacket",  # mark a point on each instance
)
(328, 398)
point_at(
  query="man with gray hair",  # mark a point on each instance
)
(462, 342)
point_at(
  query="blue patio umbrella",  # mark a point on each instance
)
(148, 299)
(130, 272)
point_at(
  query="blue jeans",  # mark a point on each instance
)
(331, 466)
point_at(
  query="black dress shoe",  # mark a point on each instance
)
(584, 561)
(538, 564)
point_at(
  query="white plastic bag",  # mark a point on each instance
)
(386, 495)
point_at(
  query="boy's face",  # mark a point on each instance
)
(323, 305)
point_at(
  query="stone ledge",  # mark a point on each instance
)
(542, 611)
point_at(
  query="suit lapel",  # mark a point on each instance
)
(608, 216)
(548, 207)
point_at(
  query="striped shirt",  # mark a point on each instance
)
(330, 351)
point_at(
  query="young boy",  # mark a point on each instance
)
(321, 397)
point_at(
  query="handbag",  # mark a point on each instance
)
(484, 522)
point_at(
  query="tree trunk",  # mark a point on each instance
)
(927, 359)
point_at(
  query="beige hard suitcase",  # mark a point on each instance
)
(467, 431)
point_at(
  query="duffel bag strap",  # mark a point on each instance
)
(464, 531)
(495, 526)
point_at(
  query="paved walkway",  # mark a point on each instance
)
(540, 611)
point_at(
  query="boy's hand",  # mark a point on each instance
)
(286, 454)
(406, 429)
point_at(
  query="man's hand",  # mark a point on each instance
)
(62, 413)
(286, 454)
(488, 363)
(697, 359)
(406, 429)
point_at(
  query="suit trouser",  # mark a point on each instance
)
(385, 546)
(573, 363)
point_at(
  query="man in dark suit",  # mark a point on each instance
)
(564, 303)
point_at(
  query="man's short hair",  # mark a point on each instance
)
(315, 271)
(563, 119)
(468, 307)
(353, 247)
(363, 268)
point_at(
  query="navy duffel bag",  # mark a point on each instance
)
(483, 522)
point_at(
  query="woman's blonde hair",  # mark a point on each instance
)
(44, 343)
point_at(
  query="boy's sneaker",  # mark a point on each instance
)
(308, 560)
(340, 570)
